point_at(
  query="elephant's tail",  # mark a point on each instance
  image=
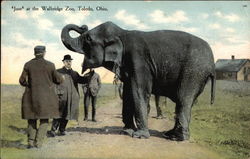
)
(213, 82)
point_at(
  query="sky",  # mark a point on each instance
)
(24, 24)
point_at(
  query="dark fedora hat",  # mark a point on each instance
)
(67, 57)
(39, 49)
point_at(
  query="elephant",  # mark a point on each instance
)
(158, 108)
(157, 101)
(167, 63)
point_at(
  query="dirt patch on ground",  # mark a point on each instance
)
(103, 140)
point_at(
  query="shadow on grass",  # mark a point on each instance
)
(109, 130)
(16, 143)
(13, 144)
(19, 130)
(234, 142)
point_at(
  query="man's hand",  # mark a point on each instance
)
(63, 76)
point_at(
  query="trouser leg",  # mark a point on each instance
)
(63, 124)
(93, 107)
(54, 127)
(31, 131)
(41, 133)
(55, 124)
(86, 105)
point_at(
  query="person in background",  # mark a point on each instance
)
(68, 94)
(90, 90)
(39, 101)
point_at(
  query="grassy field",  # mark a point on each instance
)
(223, 127)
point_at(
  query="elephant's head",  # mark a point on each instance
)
(101, 45)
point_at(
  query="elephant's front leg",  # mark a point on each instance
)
(128, 110)
(141, 90)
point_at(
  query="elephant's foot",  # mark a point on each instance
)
(127, 131)
(142, 134)
(176, 135)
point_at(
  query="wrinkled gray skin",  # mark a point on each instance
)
(167, 63)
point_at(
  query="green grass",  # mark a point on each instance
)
(223, 127)
(12, 127)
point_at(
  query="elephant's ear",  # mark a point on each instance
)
(113, 50)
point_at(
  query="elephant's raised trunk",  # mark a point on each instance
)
(73, 44)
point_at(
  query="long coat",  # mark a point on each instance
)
(68, 94)
(93, 83)
(39, 100)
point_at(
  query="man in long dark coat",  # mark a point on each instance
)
(39, 100)
(68, 97)
(90, 90)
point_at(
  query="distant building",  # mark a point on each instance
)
(233, 69)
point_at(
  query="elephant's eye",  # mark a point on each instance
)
(88, 38)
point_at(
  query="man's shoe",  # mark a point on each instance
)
(85, 119)
(94, 120)
(51, 133)
(38, 145)
(30, 146)
(61, 133)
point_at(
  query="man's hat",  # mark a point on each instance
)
(67, 57)
(39, 49)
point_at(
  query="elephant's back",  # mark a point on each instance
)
(176, 44)
(171, 37)
(188, 52)
(177, 51)
(168, 46)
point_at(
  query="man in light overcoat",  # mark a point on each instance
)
(68, 97)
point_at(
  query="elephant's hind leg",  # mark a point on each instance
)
(188, 92)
